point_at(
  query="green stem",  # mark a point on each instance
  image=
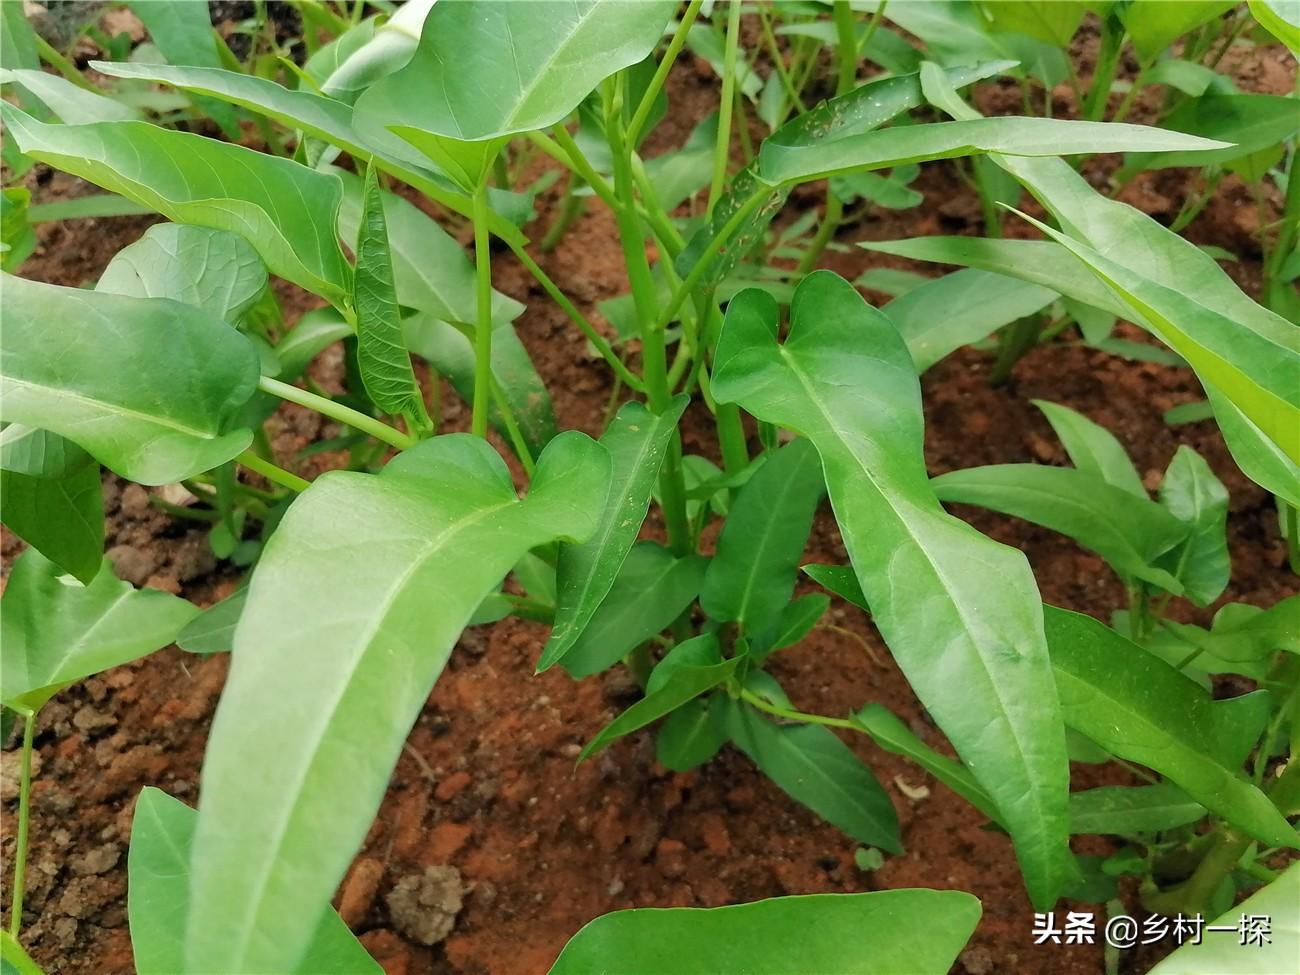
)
(723, 145)
(825, 231)
(62, 64)
(24, 817)
(1013, 342)
(846, 46)
(789, 714)
(274, 474)
(1286, 235)
(513, 431)
(337, 411)
(661, 73)
(483, 321)
(1103, 76)
(570, 207)
(782, 72)
(1291, 525)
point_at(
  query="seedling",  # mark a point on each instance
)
(365, 578)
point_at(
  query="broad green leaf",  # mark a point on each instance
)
(684, 684)
(976, 658)
(1241, 634)
(382, 358)
(13, 959)
(71, 103)
(82, 207)
(957, 309)
(795, 620)
(752, 203)
(888, 932)
(1252, 123)
(52, 498)
(356, 604)
(1122, 809)
(841, 580)
(285, 210)
(816, 769)
(158, 868)
(1140, 708)
(390, 47)
(1093, 449)
(1051, 21)
(214, 270)
(883, 149)
(1192, 494)
(1128, 532)
(184, 34)
(891, 192)
(1225, 955)
(752, 574)
(55, 630)
(213, 630)
(17, 39)
(17, 239)
(150, 387)
(650, 591)
(637, 440)
(1188, 77)
(889, 732)
(703, 650)
(692, 734)
(316, 331)
(1155, 24)
(1280, 18)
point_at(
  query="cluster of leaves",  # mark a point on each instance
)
(363, 580)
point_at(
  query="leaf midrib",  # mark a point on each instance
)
(113, 409)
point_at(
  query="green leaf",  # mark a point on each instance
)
(13, 959)
(889, 732)
(17, 239)
(52, 498)
(381, 348)
(150, 387)
(845, 380)
(637, 441)
(957, 309)
(841, 580)
(213, 630)
(889, 932)
(214, 270)
(1155, 24)
(158, 868)
(555, 56)
(795, 620)
(685, 684)
(1123, 809)
(692, 734)
(816, 769)
(650, 591)
(1050, 21)
(1140, 708)
(1225, 955)
(71, 103)
(81, 207)
(354, 608)
(285, 210)
(54, 630)
(17, 39)
(782, 163)
(1192, 494)
(1093, 449)
(1280, 19)
(752, 202)
(1128, 532)
(751, 577)
(1252, 123)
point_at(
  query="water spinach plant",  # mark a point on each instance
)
(362, 580)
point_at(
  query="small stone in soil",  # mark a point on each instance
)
(100, 859)
(424, 906)
(135, 565)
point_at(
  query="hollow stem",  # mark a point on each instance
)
(24, 817)
(661, 73)
(1103, 77)
(483, 322)
(274, 474)
(789, 714)
(1013, 342)
(337, 411)
(722, 147)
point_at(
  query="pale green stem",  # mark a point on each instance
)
(723, 145)
(24, 817)
(337, 411)
(661, 73)
(274, 474)
(483, 322)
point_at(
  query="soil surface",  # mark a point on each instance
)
(490, 843)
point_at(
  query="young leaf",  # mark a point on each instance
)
(636, 440)
(54, 630)
(285, 210)
(1229, 956)
(213, 630)
(1122, 809)
(1128, 532)
(1142, 709)
(841, 580)
(151, 388)
(816, 769)
(71, 103)
(1153, 24)
(358, 599)
(52, 498)
(888, 932)
(1280, 19)
(1028, 136)
(1251, 123)
(752, 573)
(381, 349)
(792, 624)
(942, 315)
(1093, 449)
(1192, 494)
(158, 867)
(692, 734)
(845, 380)
(684, 684)
(215, 270)
(650, 591)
